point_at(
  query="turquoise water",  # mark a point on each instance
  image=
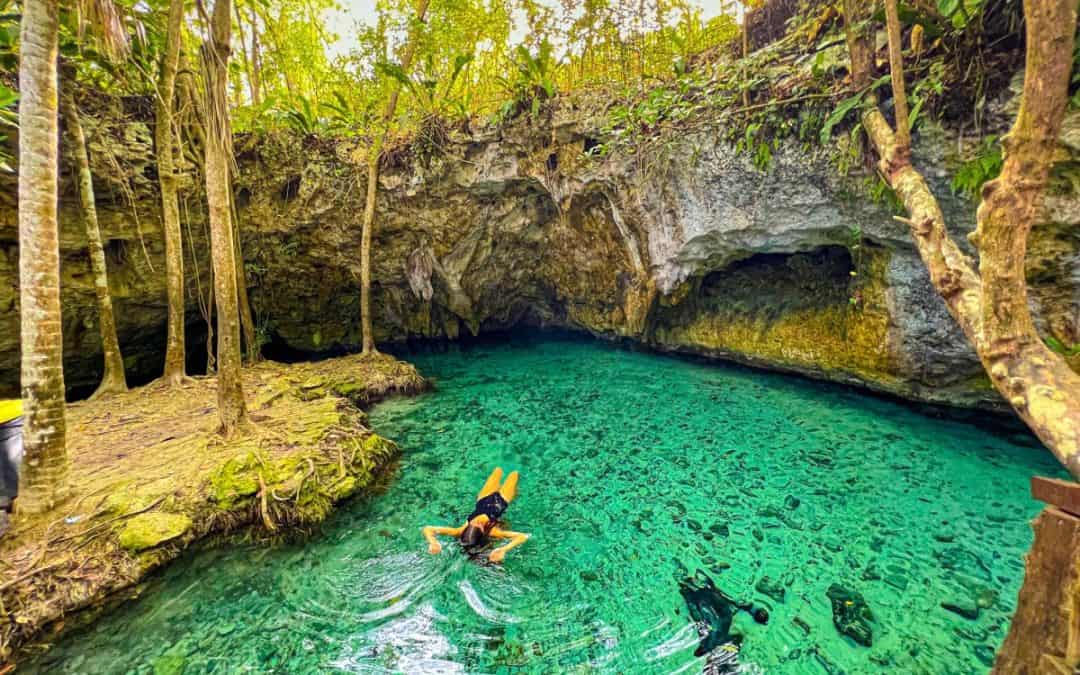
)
(637, 470)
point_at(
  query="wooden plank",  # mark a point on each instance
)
(1060, 493)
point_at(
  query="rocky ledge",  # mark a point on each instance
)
(688, 247)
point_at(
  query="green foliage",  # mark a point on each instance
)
(533, 81)
(844, 108)
(1059, 347)
(300, 115)
(344, 115)
(985, 166)
(757, 145)
(881, 193)
(960, 12)
(431, 95)
(926, 89)
(8, 118)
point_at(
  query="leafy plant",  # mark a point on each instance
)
(343, 115)
(985, 166)
(1059, 347)
(8, 118)
(925, 90)
(960, 12)
(843, 108)
(432, 96)
(881, 193)
(533, 82)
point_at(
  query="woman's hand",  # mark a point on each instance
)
(434, 548)
(497, 555)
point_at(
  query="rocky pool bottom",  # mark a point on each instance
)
(880, 539)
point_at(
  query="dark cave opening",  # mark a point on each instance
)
(290, 190)
(814, 278)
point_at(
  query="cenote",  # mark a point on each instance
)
(637, 471)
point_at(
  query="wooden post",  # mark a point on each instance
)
(1045, 633)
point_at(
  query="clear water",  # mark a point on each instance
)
(636, 470)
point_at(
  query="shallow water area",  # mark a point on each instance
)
(637, 471)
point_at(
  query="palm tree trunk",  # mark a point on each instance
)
(215, 54)
(165, 140)
(44, 478)
(367, 336)
(113, 380)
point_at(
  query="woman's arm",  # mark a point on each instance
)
(430, 531)
(516, 539)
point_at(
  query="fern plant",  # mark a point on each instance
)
(533, 82)
(973, 174)
(433, 98)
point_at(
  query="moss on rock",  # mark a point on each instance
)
(792, 311)
(148, 530)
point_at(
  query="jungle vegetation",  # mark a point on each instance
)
(424, 69)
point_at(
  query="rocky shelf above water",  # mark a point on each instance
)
(695, 251)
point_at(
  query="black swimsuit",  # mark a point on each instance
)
(492, 506)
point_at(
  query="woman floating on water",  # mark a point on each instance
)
(482, 524)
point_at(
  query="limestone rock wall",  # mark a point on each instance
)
(692, 249)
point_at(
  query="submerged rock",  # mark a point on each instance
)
(772, 588)
(851, 614)
(965, 607)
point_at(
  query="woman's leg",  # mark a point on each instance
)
(509, 488)
(491, 484)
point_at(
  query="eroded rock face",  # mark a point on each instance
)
(686, 249)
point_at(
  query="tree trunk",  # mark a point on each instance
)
(256, 61)
(113, 380)
(991, 307)
(745, 52)
(215, 54)
(856, 13)
(165, 140)
(896, 72)
(368, 337)
(247, 320)
(44, 479)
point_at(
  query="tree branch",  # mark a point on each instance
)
(991, 307)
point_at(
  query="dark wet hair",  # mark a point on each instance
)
(761, 615)
(473, 537)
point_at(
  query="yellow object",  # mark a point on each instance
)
(9, 410)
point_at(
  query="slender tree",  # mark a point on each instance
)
(991, 304)
(215, 58)
(375, 151)
(247, 320)
(44, 477)
(256, 60)
(113, 380)
(165, 139)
